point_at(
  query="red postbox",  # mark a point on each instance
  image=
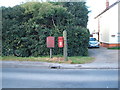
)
(50, 42)
(60, 42)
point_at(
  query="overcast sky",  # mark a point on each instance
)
(95, 6)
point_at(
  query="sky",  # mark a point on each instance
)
(95, 6)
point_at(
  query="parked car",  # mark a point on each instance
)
(93, 42)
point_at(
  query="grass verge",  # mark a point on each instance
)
(80, 59)
(55, 59)
(115, 48)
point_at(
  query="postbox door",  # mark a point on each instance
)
(60, 42)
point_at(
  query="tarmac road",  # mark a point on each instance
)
(59, 78)
(21, 74)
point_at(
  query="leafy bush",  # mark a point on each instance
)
(26, 27)
(78, 41)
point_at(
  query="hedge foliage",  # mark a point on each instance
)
(26, 26)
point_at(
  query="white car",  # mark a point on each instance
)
(93, 42)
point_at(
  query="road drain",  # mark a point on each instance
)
(55, 67)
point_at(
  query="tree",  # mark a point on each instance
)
(12, 29)
(26, 27)
(78, 10)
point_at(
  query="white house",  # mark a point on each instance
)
(107, 25)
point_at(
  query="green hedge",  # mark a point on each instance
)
(35, 45)
(26, 27)
(78, 41)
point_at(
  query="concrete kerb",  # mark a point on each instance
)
(45, 65)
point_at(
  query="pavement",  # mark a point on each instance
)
(104, 59)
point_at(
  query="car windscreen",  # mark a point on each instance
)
(92, 39)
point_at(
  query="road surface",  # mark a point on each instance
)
(59, 78)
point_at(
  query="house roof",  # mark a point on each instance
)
(108, 8)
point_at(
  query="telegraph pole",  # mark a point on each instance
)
(65, 45)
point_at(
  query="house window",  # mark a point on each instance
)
(112, 35)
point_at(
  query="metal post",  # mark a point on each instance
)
(98, 29)
(50, 52)
(65, 45)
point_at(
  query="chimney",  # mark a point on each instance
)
(107, 3)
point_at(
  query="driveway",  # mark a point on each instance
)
(104, 55)
(104, 58)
